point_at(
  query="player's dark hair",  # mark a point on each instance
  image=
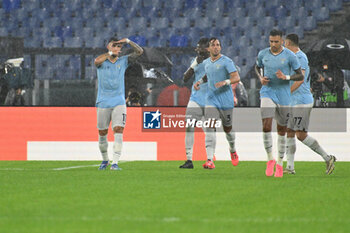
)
(275, 32)
(214, 38)
(113, 38)
(293, 38)
(203, 41)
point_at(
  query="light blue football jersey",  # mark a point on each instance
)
(303, 95)
(221, 98)
(200, 95)
(111, 87)
(277, 90)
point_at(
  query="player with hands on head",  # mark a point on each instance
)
(274, 68)
(196, 104)
(220, 73)
(110, 102)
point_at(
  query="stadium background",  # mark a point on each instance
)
(62, 38)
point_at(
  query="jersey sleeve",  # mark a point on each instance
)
(303, 62)
(259, 60)
(230, 66)
(294, 63)
(125, 60)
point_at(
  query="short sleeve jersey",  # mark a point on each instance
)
(277, 90)
(303, 95)
(219, 70)
(200, 95)
(111, 88)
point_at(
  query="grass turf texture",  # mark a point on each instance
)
(160, 197)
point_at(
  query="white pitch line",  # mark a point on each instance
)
(67, 168)
(82, 166)
(56, 169)
(12, 169)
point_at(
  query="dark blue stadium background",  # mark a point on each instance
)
(242, 25)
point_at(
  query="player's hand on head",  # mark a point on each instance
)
(280, 75)
(109, 46)
(264, 80)
(122, 41)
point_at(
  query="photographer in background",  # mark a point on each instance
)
(327, 84)
(13, 80)
(134, 98)
(14, 84)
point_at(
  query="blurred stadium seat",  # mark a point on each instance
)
(52, 42)
(194, 3)
(181, 23)
(140, 40)
(178, 41)
(321, 14)
(335, 5)
(193, 13)
(73, 42)
(242, 25)
(160, 23)
(309, 23)
(204, 23)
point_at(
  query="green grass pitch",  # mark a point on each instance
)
(159, 197)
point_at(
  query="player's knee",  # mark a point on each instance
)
(227, 129)
(281, 130)
(267, 125)
(118, 129)
(267, 128)
(103, 132)
(290, 133)
(301, 135)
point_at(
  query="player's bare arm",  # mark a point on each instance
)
(190, 71)
(137, 49)
(298, 76)
(113, 51)
(263, 79)
(297, 84)
(204, 79)
(100, 59)
(188, 74)
(234, 78)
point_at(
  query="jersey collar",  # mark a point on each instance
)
(277, 53)
(216, 59)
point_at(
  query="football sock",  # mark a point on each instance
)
(281, 145)
(117, 147)
(210, 142)
(103, 145)
(290, 151)
(189, 141)
(231, 140)
(268, 145)
(313, 144)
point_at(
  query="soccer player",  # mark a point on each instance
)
(302, 102)
(196, 104)
(110, 100)
(220, 73)
(274, 67)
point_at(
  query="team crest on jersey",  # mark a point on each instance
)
(218, 66)
(283, 60)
